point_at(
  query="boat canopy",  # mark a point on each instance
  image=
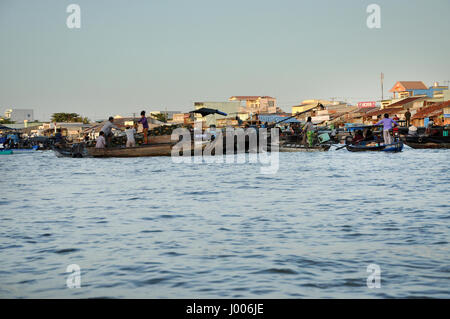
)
(276, 119)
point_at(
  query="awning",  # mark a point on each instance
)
(276, 119)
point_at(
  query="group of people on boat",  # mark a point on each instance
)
(389, 125)
(105, 136)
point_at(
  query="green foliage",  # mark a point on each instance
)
(162, 117)
(69, 118)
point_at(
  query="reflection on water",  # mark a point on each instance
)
(149, 228)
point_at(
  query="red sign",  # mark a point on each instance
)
(366, 104)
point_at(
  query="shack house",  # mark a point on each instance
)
(411, 103)
(446, 115)
(436, 112)
(70, 130)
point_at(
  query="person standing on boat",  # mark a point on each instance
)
(130, 131)
(307, 130)
(107, 130)
(144, 123)
(408, 117)
(387, 126)
(101, 142)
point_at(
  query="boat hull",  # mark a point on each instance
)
(6, 152)
(138, 151)
(394, 148)
(424, 142)
(293, 148)
(428, 145)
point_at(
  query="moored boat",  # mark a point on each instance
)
(301, 148)
(25, 150)
(375, 147)
(424, 142)
(138, 151)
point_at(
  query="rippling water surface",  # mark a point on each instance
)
(150, 228)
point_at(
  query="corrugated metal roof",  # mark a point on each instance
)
(431, 110)
(405, 101)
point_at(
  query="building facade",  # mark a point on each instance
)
(256, 104)
(405, 89)
(20, 115)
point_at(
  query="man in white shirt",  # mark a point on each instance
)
(107, 129)
(101, 142)
(130, 136)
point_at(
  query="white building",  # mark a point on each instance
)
(20, 115)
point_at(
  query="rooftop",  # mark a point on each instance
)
(390, 111)
(405, 101)
(431, 110)
(249, 97)
(402, 86)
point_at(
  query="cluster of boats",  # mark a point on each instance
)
(164, 146)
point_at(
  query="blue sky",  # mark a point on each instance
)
(133, 55)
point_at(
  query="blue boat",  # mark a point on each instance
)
(24, 150)
(6, 152)
(375, 147)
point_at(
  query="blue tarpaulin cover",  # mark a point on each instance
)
(276, 118)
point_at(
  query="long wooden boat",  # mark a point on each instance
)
(375, 147)
(138, 151)
(425, 142)
(150, 150)
(302, 148)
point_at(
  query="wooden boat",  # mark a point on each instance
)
(150, 150)
(424, 142)
(375, 147)
(303, 148)
(138, 151)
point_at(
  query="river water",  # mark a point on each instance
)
(151, 228)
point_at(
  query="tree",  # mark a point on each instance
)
(162, 117)
(69, 118)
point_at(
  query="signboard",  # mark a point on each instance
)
(362, 105)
